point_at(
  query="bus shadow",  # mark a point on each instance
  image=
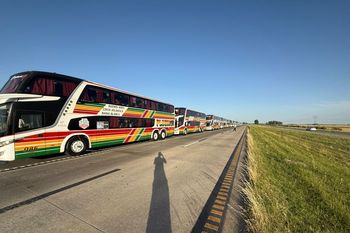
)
(159, 213)
(51, 156)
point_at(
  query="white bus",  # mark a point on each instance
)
(188, 121)
(215, 122)
(45, 113)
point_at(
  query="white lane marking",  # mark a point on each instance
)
(191, 144)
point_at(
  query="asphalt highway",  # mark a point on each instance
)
(140, 187)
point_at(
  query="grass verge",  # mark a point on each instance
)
(298, 181)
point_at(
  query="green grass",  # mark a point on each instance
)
(298, 181)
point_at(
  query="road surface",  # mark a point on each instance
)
(141, 187)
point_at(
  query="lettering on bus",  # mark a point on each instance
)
(113, 110)
(30, 148)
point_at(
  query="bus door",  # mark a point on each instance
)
(34, 144)
(177, 121)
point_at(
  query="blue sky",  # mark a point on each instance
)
(243, 60)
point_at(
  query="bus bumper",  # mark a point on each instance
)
(176, 131)
(7, 151)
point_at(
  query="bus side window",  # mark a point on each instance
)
(149, 122)
(124, 123)
(91, 93)
(99, 95)
(114, 99)
(132, 101)
(29, 120)
(141, 123)
(166, 108)
(171, 109)
(160, 107)
(123, 99)
(147, 104)
(132, 123)
(154, 105)
(106, 97)
(42, 86)
(114, 122)
(58, 88)
(140, 103)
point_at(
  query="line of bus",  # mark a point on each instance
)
(215, 122)
(45, 113)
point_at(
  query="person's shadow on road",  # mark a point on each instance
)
(159, 213)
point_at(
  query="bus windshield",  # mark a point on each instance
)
(12, 85)
(4, 112)
(180, 111)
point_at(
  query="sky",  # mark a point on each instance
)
(242, 60)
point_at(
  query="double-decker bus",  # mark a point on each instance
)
(212, 122)
(216, 122)
(189, 121)
(45, 113)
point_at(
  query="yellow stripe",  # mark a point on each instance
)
(216, 212)
(219, 202)
(136, 133)
(149, 113)
(98, 139)
(129, 111)
(26, 144)
(39, 144)
(38, 147)
(83, 107)
(219, 207)
(221, 197)
(222, 193)
(214, 219)
(105, 138)
(211, 227)
(146, 134)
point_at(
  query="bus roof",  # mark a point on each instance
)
(49, 74)
(66, 77)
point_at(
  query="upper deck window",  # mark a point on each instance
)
(13, 84)
(93, 94)
(41, 85)
(51, 86)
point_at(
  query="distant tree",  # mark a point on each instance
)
(256, 122)
(274, 123)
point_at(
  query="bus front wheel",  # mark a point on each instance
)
(76, 146)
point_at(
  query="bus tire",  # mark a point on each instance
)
(155, 136)
(185, 132)
(76, 145)
(162, 135)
